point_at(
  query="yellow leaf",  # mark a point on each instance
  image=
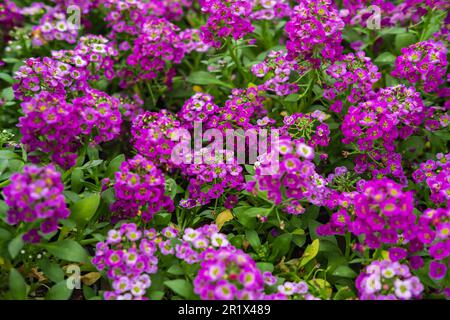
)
(223, 217)
(38, 275)
(310, 252)
(197, 88)
(90, 278)
(385, 255)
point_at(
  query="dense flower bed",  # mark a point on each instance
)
(224, 149)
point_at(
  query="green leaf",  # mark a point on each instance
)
(181, 287)
(292, 97)
(162, 218)
(15, 245)
(83, 210)
(5, 234)
(17, 285)
(3, 209)
(310, 252)
(171, 187)
(176, 270)
(7, 155)
(68, 250)
(206, 78)
(404, 40)
(59, 291)
(10, 60)
(76, 180)
(443, 134)
(52, 270)
(265, 266)
(92, 164)
(88, 292)
(413, 146)
(8, 94)
(114, 165)
(344, 293)
(433, 24)
(281, 245)
(298, 231)
(387, 31)
(250, 169)
(6, 77)
(247, 215)
(344, 271)
(385, 58)
(253, 238)
(156, 295)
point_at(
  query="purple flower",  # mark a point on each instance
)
(437, 270)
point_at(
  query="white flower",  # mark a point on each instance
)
(373, 284)
(219, 240)
(388, 273)
(61, 26)
(305, 151)
(402, 289)
(288, 288)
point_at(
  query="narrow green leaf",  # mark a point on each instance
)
(206, 78)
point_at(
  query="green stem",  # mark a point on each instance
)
(237, 61)
(150, 90)
(348, 243)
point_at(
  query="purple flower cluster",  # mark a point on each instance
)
(241, 107)
(169, 9)
(436, 174)
(308, 128)
(139, 187)
(156, 45)
(382, 212)
(85, 6)
(58, 128)
(296, 290)
(424, 63)
(386, 280)
(10, 16)
(152, 136)
(374, 126)
(361, 14)
(276, 71)
(192, 243)
(210, 181)
(192, 41)
(228, 274)
(352, 76)
(270, 9)
(199, 108)
(434, 234)
(128, 257)
(36, 195)
(54, 25)
(225, 18)
(314, 31)
(131, 107)
(297, 176)
(97, 54)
